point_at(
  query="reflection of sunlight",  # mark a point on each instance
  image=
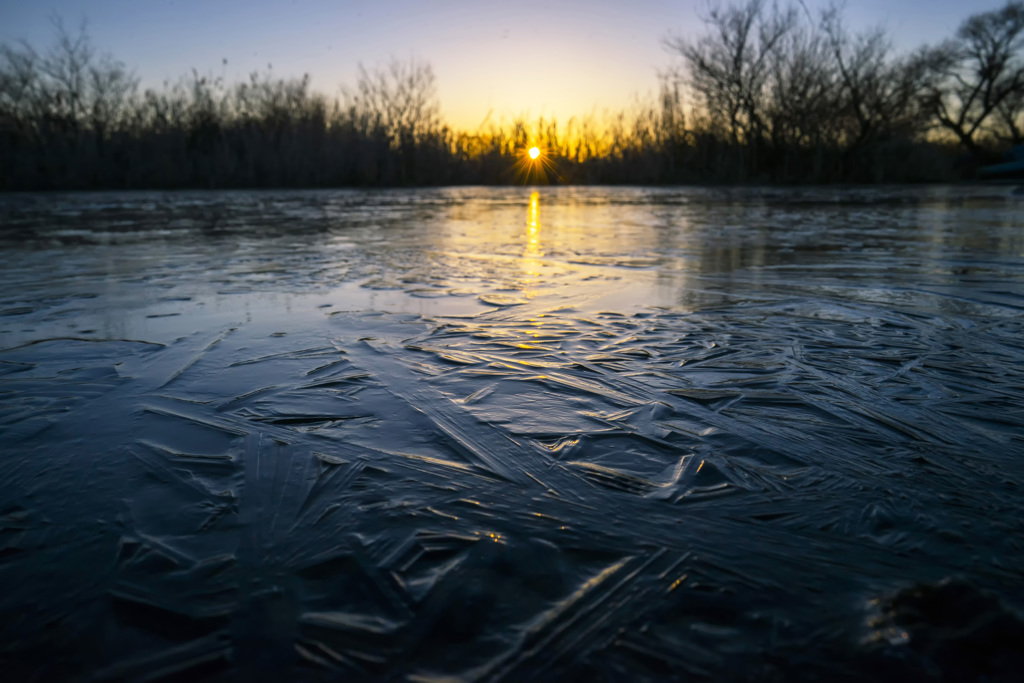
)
(532, 253)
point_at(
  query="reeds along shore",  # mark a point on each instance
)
(766, 94)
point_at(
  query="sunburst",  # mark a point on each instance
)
(535, 167)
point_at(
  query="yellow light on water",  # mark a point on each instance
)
(534, 152)
(532, 253)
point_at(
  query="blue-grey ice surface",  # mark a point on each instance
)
(510, 434)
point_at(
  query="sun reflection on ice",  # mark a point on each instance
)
(532, 253)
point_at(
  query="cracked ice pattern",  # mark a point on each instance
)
(537, 486)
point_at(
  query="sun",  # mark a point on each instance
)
(536, 165)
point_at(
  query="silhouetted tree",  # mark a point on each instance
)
(801, 100)
(1009, 124)
(880, 94)
(399, 99)
(729, 67)
(980, 71)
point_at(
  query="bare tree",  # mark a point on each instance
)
(399, 100)
(728, 68)
(801, 90)
(66, 68)
(68, 85)
(980, 71)
(20, 85)
(880, 93)
(111, 95)
(1009, 123)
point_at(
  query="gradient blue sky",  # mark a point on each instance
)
(530, 57)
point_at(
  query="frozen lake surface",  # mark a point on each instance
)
(496, 434)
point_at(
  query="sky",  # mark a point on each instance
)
(500, 59)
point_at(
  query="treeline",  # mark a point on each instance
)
(783, 95)
(765, 94)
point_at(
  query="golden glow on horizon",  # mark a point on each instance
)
(535, 166)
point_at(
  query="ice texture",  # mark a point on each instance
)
(508, 435)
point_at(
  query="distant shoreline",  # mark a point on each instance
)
(799, 101)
